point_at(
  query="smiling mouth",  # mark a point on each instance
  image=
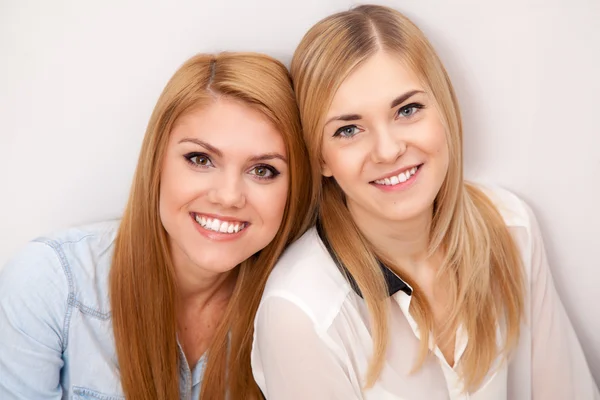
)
(217, 225)
(399, 178)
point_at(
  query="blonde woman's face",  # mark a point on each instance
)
(223, 186)
(384, 142)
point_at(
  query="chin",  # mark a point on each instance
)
(406, 212)
(216, 262)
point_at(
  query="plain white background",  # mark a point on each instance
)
(78, 81)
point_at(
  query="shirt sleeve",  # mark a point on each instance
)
(559, 367)
(291, 361)
(33, 310)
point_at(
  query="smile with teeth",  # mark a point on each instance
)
(216, 225)
(396, 179)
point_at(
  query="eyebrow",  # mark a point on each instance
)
(202, 143)
(403, 97)
(213, 149)
(267, 157)
(397, 101)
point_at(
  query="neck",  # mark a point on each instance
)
(405, 243)
(198, 294)
(196, 287)
(202, 298)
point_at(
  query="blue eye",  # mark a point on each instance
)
(199, 160)
(347, 131)
(409, 110)
(264, 172)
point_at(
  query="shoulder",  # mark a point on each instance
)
(514, 210)
(75, 262)
(520, 221)
(308, 277)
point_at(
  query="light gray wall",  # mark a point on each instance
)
(78, 81)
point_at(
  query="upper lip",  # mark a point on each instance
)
(219, 217)
(397, 172)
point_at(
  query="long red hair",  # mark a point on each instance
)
(142, 287)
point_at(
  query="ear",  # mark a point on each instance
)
(325, 171)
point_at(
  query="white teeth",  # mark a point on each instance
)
(400, 178)
(219, 226)
(224, 227)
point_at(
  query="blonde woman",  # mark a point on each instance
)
(414, 284)
(160, 304)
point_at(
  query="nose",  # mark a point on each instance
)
(387, 147)
(227, 191)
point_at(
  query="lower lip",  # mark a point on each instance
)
(400, 186)
(217, 236)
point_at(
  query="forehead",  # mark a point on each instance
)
(376, 81)
(229, 123)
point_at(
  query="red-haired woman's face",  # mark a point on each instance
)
(224, 186)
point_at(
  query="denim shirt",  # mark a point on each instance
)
(56, 336)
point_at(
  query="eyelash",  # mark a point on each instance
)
(416, 106)
(273, 170)
(190, 157)
(338, 133)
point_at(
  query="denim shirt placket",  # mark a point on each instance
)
(185, 374)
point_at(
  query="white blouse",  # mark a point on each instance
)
(312, 338)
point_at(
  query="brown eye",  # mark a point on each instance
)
(264, 172)
(261, 171)
(199, 160)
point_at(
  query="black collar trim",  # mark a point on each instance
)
(394, 282)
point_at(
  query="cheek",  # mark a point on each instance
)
(269, 201)
(442, 147)
(438, 148)
(346, 162)
(434, 138)
(167, 198)
(178, 187)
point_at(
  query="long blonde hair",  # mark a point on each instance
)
(482, 267)
(142, 287)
